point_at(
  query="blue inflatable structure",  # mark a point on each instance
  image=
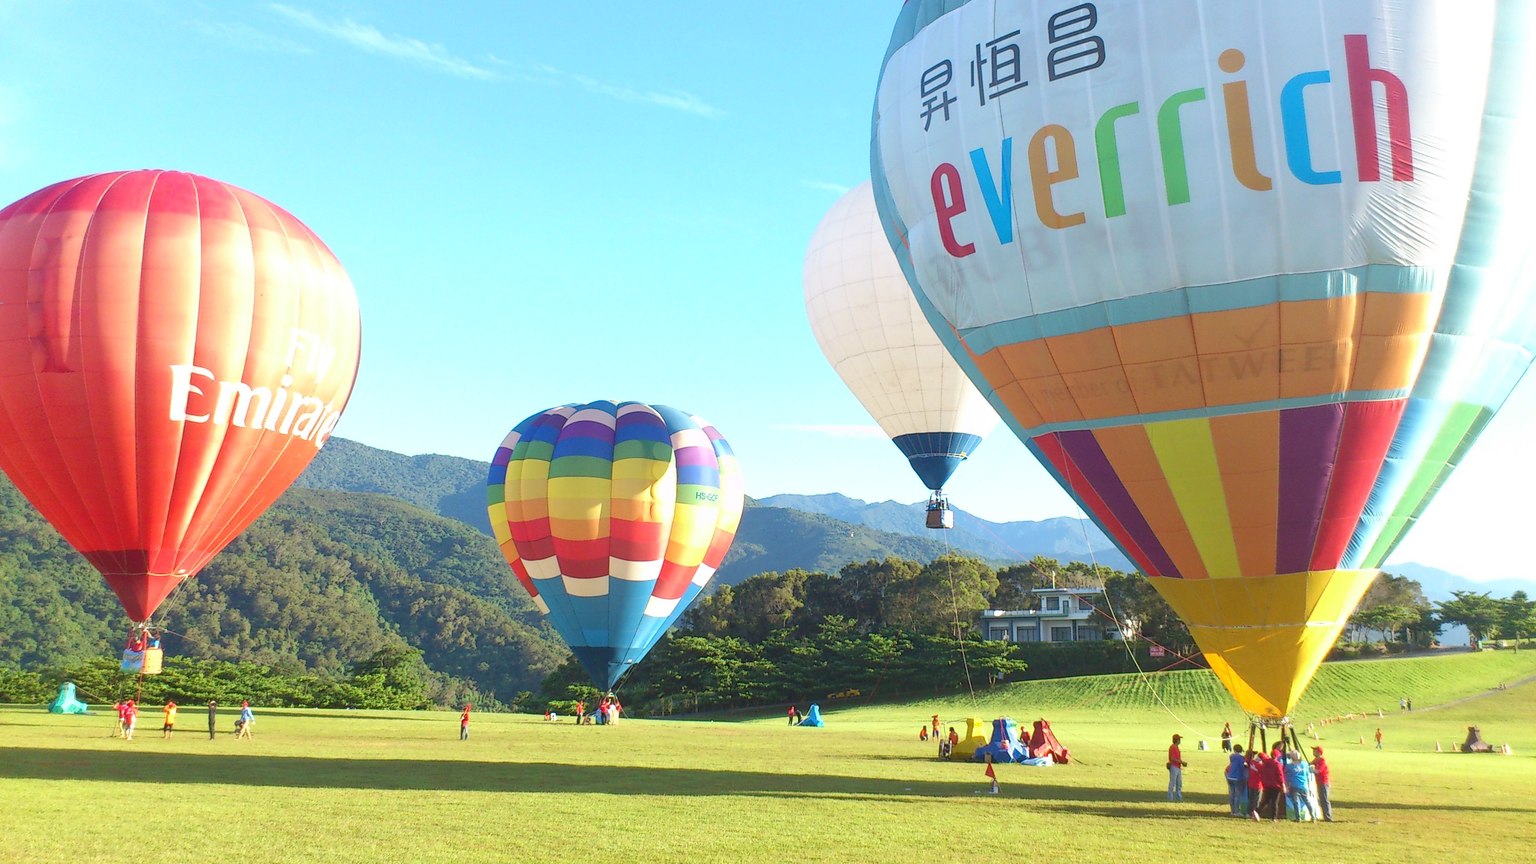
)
(812, 717)
(65, 702)
(1007, 745)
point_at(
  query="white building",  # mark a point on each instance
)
(1065, 615)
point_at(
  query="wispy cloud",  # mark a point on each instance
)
(834, 431)
(368, 38)
(251, 38)
(365, 37)
(824, 186)
(676, 100)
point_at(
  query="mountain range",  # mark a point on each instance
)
(374, 549)
(783, 532)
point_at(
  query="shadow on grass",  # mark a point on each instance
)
(23, 763)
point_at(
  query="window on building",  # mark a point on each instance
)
(1086, 633)
(1083, 605)
(1061, 634)
(1053, 604)
(1000, 633)
(1026, 634)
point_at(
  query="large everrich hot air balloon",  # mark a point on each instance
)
(1249, 278)
(173, 352)
(873, 333)
(614, 516)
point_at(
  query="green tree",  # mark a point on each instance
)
(1477, 612)
(1015, 588)
(1390, 590)
(945, 596)
(713, 614)
(824, 595)
(1142, 612)
(394, 677)
(767, 602)
(873, 585)
(1386, 618)
(1517, 618)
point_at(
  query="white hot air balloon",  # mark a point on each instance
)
(869, 326)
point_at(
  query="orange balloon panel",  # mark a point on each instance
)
(173, 352)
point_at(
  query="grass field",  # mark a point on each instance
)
(399, 787)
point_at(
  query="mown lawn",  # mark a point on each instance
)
(372, 786)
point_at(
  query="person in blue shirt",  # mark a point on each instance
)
(1237, 783)
(246, 721)
(1298, 784)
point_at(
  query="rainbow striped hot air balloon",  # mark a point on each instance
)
(1249, 278)
(614, 516)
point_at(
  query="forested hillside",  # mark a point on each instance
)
(370, 552)
(323, 581)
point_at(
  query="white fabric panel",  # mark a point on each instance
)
(658, 607)
(1225, 232)
(871, 329)
(633, 571)
(542, 568)
(595, 586)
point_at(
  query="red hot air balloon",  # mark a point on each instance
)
(173, 352)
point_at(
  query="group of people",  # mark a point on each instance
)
(128, 718)
(1278, 785)
(608, 711)
(946, 742)
(1261, 785)
(140, 638)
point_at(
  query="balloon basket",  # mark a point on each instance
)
(150, 661)
(939, 514)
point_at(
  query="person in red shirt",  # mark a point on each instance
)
(1272, 777)
(464, 723)
(1255, 782)
(130, 719)
(935, 724)
(1176, 766)
(1320, 771)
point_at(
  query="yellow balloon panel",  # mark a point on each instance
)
(1288, 623)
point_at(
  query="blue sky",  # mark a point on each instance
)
(544, 203)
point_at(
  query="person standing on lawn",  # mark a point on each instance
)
(1255, 781)
(1237, 783)
(169, 727)
(1176, 766)
(1323, 775)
